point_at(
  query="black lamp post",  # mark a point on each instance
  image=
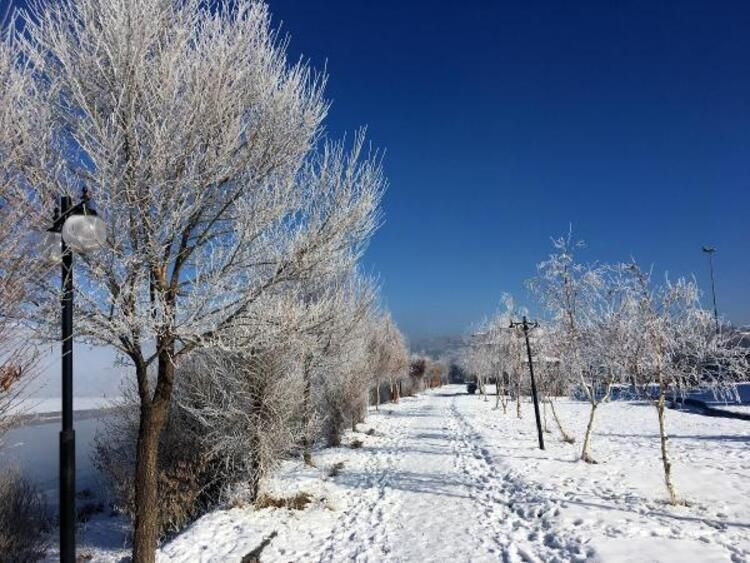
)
(710, 251)
(526, 327)
(74, 228)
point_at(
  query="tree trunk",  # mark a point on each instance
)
(565, 436)
(518, 405)
(586, 451)
(153, 416)
(258, 463)
(664, 454)
(336, 425)
(544, 417)
(255, 468)
(307, 407)
(377, 396)
(147, 516)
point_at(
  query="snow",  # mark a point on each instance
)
(446, 477)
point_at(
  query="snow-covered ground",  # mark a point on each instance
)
(445, 477)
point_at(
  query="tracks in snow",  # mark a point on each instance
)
(511, 520)
(361, 532)
(515, 518)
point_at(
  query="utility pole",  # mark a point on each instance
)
(709, 250)
(526, 327)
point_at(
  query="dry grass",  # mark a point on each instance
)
(297, 502)
(335, 469)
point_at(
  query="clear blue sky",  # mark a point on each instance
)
(505, 121)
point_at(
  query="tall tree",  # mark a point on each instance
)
(18, 357)
(200, 144)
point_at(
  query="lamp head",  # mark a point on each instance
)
(83, 230)
(51, 247)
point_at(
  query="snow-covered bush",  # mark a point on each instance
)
(232, 420)
(417, 370)
(183, 469)
(245, 409)
(344, 391)
(24, 519)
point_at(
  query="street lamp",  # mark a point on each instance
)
(710, 251)
(74, 228)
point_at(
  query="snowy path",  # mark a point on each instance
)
(424, 487)
(444, 477)
(428, 473)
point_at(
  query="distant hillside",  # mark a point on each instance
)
(437, 346)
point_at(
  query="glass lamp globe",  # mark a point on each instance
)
(51, 247)
(84, 233)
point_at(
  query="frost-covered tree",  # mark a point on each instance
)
(388, 356)
(199, 143)
(506, 353)
(496, 353)
(604, 325)
(339, 370)
(476, 356)
(673, 348)
(337, 308)
(343, 396)
(18, 356)
(417, 371)
(569, 290)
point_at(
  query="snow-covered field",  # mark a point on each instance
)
(445, 477)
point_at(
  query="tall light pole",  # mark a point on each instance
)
(74, 228)
(526, 327)
(709, 250)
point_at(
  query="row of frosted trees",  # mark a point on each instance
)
(229, 282)
(609, 327)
